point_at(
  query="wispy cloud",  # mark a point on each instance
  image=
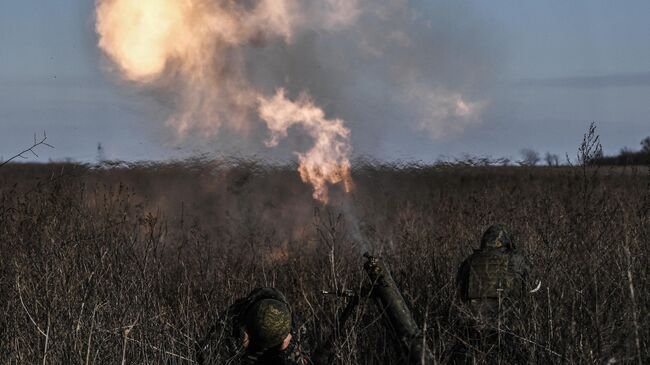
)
(590, 82)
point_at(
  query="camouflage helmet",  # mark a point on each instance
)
(268, 322)
(497, 236)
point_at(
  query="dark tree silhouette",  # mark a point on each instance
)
(551, 159)
(529, 157)
(31, 149)
(645, 145)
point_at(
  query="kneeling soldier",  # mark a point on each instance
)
(493, 276)
(490, 283)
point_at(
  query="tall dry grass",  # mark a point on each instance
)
(133, 265)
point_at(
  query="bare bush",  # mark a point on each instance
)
(551, 159)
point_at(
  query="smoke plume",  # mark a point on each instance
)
(236, 65)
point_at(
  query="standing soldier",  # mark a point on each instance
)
(257, 329)
(490, 283)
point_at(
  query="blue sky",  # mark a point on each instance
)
(560, 66)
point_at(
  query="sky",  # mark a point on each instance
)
(544, 70)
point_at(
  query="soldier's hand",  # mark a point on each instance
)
(286, 342)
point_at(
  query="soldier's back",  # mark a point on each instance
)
(490, 281)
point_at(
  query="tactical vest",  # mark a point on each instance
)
(491, 275)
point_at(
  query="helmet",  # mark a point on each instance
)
(268, 322)
(497, 236)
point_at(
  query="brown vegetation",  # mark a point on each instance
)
(134, 264)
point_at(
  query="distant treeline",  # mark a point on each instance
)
(627, 156)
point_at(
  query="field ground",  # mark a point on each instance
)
(105, 265)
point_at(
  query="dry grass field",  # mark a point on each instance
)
(133, 264)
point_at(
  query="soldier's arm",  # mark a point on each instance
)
(522, 268)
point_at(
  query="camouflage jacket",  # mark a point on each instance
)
(492, 280)
(224, 342)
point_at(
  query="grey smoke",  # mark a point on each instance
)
(376, 74)
(365, 73)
